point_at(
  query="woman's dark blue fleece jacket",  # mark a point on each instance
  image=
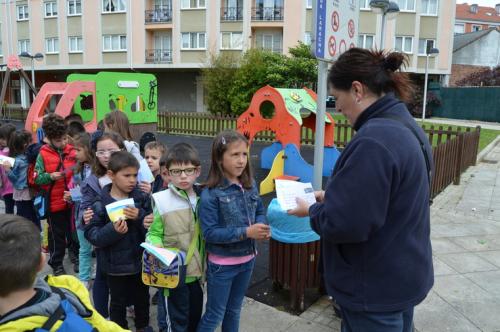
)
(374, 221)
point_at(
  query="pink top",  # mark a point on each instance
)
(225, 260)
(6, 187)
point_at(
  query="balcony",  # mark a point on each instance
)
(231, 14)
(267, 14)
(155, 16)
(159, 56)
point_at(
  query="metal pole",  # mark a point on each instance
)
(425, 87)
(33, 75)
(319, 136)
(382, 32)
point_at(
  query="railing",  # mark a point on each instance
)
(158, 56)
(267, 13)
(162, 15)
(231, 14)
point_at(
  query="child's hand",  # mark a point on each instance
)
(6, 166)
(56, 176)
(131, 213)
(120, 226)
(87, 216)
(145, 186)
(148, 220)
(259, 232)
(67, 196)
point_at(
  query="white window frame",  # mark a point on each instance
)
(50, 9)
(198, 4)
(427, 13)
(120, 6)
(461, 25)
(404, 38)
(232, 45)
(23, 45)
(425, 47)
(24, 10)
(476, 25)
(111, 38)
(364, 36)
(74, 2)
(403, 5)
(364, 5)
(198, 38)
(309, 4)
(52, 45)
(78, 40)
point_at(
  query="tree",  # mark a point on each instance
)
(485, 77)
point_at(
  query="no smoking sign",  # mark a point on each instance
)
(332, 46)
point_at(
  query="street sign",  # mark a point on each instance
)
(335, 26)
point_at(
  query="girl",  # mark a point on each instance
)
(117, 121)
(232, 218)
(105, 145)
(6, 189)
(18, 174)
(82, 170)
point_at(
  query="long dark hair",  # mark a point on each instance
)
(18, 142)
(82, 140)
(97, 168)
(377, 70)
(219, 147)
(117, 121)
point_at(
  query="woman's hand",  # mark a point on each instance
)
(145, 186)
(120, 226)
(302, 209)
(259, 232)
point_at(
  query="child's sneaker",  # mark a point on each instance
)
(130, 311)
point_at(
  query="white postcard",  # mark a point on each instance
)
(116, 209)
(145, 173)
(287, 191)
(9, 159)
(166, 256)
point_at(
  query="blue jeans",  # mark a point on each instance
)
(100, 290)
(162, 312)
(396, 321)
(226, 287)
(85, 257)
(184, 307)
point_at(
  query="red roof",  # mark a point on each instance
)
(487, 14)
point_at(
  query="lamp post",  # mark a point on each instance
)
(38, 57)
(389, 10)
(432, 51)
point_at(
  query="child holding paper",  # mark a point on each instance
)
(119, 242)
(176, 225)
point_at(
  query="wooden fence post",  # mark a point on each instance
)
(458, 165)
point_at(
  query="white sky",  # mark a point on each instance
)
(485, 3)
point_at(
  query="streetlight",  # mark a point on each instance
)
(37, 57)
(389, 10)
(432, 51)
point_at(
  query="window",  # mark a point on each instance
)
(269, 42)
(424, 45)
(113, 6)
(459, 28)
(231, 40)
(189, 4)
(406, 5)
(308, 38)
(476, 27)
(309, 4)
(75, 44)
(193, 40)
(22, 12)
(365, 41)
(404, 44)
(74, 7)
(50, 9)
(23, 45)
(429, 7)
(114, 43)
(364, 4)
(52, 45)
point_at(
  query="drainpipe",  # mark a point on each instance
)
(129, 33)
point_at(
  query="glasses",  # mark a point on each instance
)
(177, 172)
(103, 153)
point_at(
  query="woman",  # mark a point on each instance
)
(373, 217)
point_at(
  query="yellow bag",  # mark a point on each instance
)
(157, 274)
(45, 234)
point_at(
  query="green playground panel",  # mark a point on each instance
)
(297, 100)
(121, 91)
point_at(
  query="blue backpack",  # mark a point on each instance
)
(72, 322)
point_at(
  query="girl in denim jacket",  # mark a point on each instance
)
(232, 218)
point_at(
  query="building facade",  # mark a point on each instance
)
(470, 18)
(174, 38)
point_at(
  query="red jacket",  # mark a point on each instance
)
(51, 161)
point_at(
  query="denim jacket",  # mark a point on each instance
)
(225, 213)
(18, 174)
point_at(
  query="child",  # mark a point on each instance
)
(81, 172)
(232, 218)
(6, 189)
(54, 167)
(18, 175)
(176, 225)
(153, 152)
(119, 242)
(117, 121)
(27, 302)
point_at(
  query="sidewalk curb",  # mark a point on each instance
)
(481, 155)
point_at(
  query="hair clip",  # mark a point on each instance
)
(223, 140)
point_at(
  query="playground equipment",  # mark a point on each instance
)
(13, 64)
(293, 108)
(93, 96)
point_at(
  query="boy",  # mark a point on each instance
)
(120, 255)
(153, 153)
(54, 171)
(176, 224)
(26, 302)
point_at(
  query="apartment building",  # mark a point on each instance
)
(470, 18)
(174, 38)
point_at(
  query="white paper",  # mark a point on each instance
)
(145, 173)
(9, 159)
(115, 209)
(287, 191)
(166, 256)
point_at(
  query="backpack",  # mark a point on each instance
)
(32, 152)
(71, 321)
